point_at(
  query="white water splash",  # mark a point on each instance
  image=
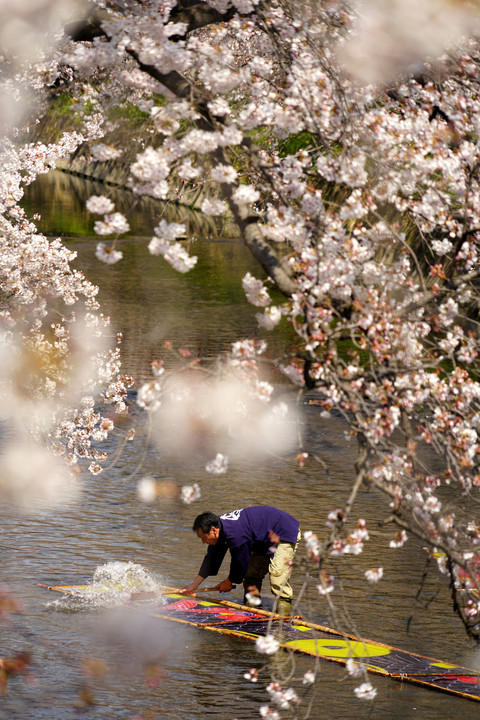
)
(124, 577)
(112, 586)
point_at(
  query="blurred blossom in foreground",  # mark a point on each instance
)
(149, 489)
(355, 669)
(253, 600)
(365, 691)
(224, 414)
(108, 254)
(33, 479)
(48, 392)
(102, 152)
(218, 466)
(99, 204)
(28, 30)
(374, 574)
(393, 35)
(27, 27)
(308, 678)
(267, 645)
(190, 493)
(251, 675)
(135, 642)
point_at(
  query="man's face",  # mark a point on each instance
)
(209, 538)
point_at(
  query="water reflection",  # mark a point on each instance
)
(203, 672)
(59, 198)
(147, 300)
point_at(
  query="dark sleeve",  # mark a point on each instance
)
(239, 563)
(212, 560)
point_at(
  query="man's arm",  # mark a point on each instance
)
(210, 566)
(238, 567)
(240, 558)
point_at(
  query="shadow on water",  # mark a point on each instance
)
(202, 672)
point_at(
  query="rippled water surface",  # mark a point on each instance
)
(202, 672)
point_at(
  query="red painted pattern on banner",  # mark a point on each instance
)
(189, 605)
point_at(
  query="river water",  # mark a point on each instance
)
(201, 672)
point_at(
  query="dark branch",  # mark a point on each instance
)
(198, 15)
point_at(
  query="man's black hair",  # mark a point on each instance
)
(205, 521)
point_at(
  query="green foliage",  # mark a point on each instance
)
(61, 105)
(159, 99)
(262, 136)
(347, 350)
(130, 112)
(298, 141)
(265, 137)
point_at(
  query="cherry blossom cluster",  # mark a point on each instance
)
(285, 698)
(164, 244)
(60, 378)
(190, 493)
(267, 645)
(113, 223)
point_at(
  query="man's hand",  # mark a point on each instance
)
(189, 589)
(224, 586)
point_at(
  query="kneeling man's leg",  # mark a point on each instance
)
(280, 570)
(256, 571)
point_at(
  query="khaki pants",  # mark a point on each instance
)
(279, 568)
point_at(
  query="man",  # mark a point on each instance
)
(261, 539)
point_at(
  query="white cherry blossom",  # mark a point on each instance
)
(107, 254)
(99, 204)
